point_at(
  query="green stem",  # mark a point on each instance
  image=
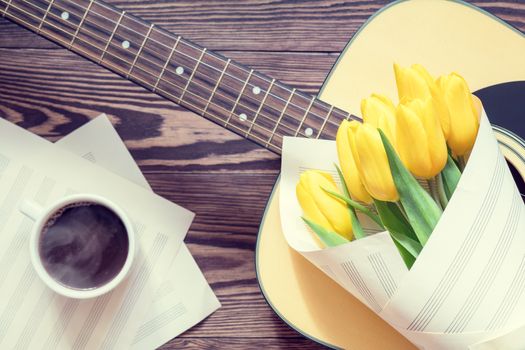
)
(357, 229)
(450, 176)
(461, 163)
(441, 191)
(432, 185)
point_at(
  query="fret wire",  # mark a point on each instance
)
(167, 63)
(45, 16)
(80, 24)
(7, 7)
(324, 122)
(192, 74)
(122, 72)
(216, 86)
(281, 116)
(240, 95)
(260, 107)
(305, 115)
(188, 43)
(111, 8)
(140, 49)
(143, 69)
(150, 73)
(111, 36)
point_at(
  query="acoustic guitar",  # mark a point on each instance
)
(264, 110)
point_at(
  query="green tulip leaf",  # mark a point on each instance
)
(329, 238)
(357, 229)
(393, 218)
(400, 230)
(407, 257)
(450, 176)
(342, 179)
(356, 206)
(422, 211)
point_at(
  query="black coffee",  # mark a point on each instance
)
(84, 245)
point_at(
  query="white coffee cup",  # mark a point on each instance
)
(41, 216)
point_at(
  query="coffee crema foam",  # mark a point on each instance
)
(84, 245)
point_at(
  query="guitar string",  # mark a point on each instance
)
(325, 106)
(190, 44)
(206, 88)
(175, 85)
(91, 56)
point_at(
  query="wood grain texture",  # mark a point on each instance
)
(224, 179)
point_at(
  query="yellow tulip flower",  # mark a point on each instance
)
(374, 168)
(379, 111)
(464, 116)
(412, 82)
(421, 144)
(416, 82)
(345, 141)
(321, 207)
(478, 105)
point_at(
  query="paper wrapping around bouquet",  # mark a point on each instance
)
(466, 286)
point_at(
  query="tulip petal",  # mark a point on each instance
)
(464, 118)
(410, 84)
(331, 212)
(441, 109)
(374, 169)
(344, 141)
(380, 112)
(437, 146)
(309, 206)
(412, 143)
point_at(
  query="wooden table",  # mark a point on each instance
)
(224, 179)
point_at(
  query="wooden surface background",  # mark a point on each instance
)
(224, 179)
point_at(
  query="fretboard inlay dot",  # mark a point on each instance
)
(240, 99)
(308, 132)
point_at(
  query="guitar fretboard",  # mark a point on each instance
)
(238, 98)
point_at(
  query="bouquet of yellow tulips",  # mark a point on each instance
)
(384, 161)
(420, 218)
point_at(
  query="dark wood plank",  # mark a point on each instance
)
(278, 25)
(226, 180)
(242, 344)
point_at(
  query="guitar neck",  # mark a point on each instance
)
(230, 94)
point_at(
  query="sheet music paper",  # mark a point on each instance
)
(467, 285)
(183, 298)
(31, 315)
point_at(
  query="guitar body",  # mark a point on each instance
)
(444, 36)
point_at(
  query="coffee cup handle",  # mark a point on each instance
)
(30, 209)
